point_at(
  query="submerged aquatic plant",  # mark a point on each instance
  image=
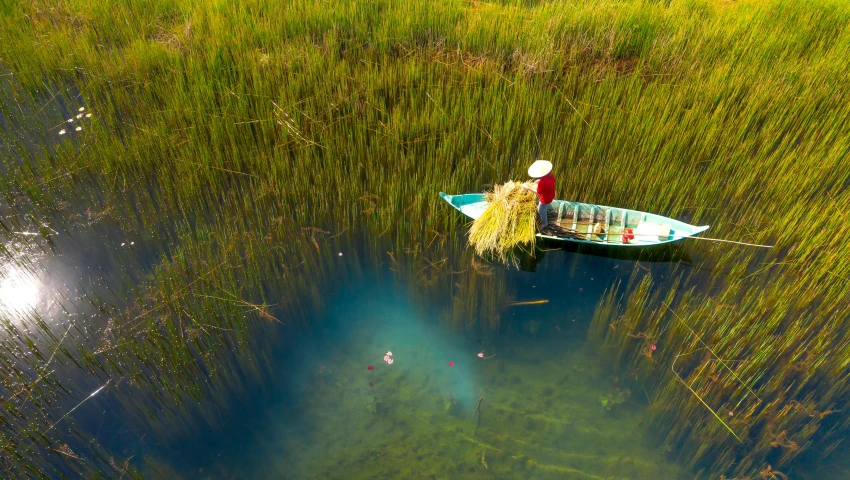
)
(610, 400)
(450, 404)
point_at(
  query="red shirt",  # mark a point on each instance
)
(546, 189)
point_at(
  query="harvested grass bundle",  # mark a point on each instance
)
(509, 221)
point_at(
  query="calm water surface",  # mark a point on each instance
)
(549, 409)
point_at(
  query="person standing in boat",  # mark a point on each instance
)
(544, 187)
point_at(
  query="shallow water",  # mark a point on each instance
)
(325, 415)
(549, 408)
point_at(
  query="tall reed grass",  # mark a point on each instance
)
(227, 129)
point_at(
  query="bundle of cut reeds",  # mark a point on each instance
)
(509, 221)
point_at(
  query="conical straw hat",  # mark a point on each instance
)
(540, 168)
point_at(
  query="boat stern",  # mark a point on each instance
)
(697, 230)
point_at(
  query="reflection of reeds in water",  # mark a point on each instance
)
(441, 267)
(477, 299)
(738, 377)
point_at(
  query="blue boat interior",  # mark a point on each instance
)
(599, 224)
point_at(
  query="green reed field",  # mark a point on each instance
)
(250, 134)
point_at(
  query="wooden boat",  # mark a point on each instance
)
(594, 224)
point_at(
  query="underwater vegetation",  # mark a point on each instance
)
(533, 415)
(752, 377)
(235, 150)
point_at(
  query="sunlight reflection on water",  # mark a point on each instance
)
(20, 291)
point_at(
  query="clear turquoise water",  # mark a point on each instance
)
(550, 409)
(317, 416)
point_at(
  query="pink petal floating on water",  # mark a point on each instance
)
(390, 361)
(386, 358)
(481, 355)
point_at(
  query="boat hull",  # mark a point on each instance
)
(579, 220)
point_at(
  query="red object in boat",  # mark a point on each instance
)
(371, 367)
(451, 364)
(628, 234)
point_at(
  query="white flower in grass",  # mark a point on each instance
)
(79, 128)
(82, 109)
(70, 120)
(79, 115)
(62, 132)
(88, 115)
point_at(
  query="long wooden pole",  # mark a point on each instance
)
(731, 241)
